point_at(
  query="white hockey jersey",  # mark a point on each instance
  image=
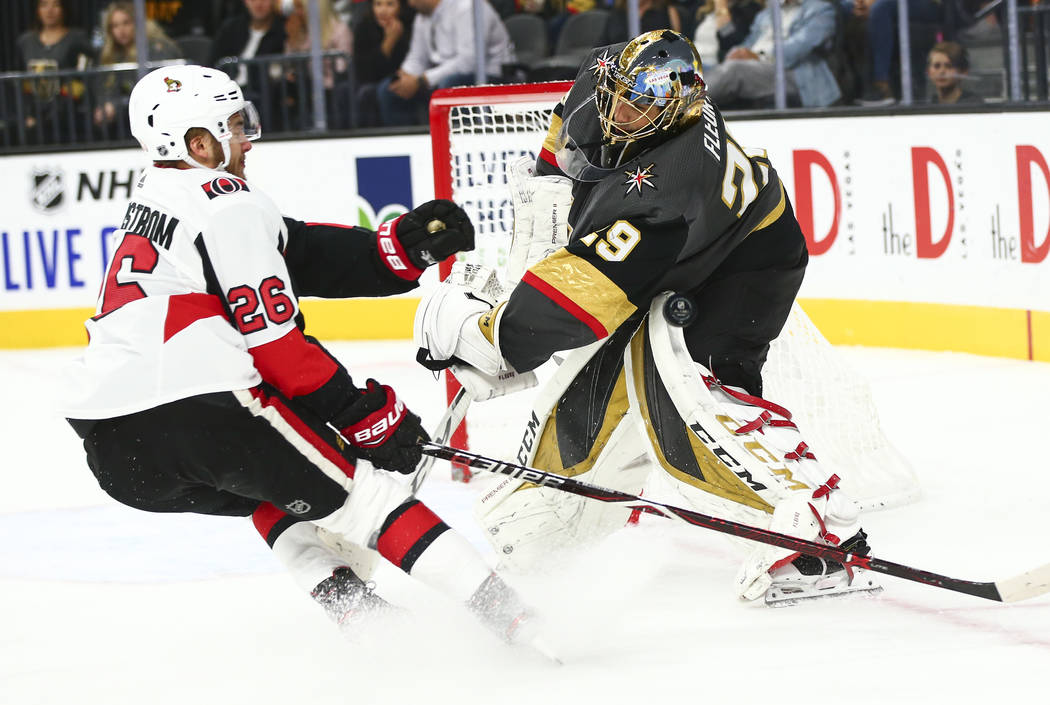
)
(197, 249)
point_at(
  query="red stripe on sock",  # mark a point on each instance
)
(406, 530)
(300, 427)
(265, 517)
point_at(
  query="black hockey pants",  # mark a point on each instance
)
(221, 453)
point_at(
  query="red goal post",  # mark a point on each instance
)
(476, 131)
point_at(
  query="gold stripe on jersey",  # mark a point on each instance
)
(487, 323)
(773, 215)
(719, 479)
(585, 286)
(548, 454)
(550, 142)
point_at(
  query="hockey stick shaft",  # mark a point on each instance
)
(446, 426)
(1022, 587)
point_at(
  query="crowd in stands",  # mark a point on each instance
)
(384, 57)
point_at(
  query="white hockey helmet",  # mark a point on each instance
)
(168, 101)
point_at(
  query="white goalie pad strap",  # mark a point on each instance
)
(482, 387)
(446, 325)
(541, 215)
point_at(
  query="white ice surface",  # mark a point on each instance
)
(103, 604)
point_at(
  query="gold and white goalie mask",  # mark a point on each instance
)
(655, 85)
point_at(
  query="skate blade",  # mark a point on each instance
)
(543, 648)
(790, 594)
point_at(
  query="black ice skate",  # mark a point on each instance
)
(347, 599)
(500, 609)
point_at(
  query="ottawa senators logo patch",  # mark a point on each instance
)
(224, 185)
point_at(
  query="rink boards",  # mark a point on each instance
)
(926, 231)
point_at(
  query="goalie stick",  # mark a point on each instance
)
(1021, 587)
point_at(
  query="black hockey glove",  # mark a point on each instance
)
(382, 430)
(434, 231)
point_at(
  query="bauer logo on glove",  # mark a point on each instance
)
(376, 433)
(382, 430)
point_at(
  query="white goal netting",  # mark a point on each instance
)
(486, 130)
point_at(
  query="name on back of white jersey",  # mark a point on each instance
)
(150, 223)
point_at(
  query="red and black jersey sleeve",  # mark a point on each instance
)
(585, 291)
(301, 368)
(339, 261)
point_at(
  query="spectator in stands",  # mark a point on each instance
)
(113, 89)
(181, 17)
(747, 76)
(653, 15)
(947, 66)
(926, 15)
(722, 25)
(558, 11)
(335, 36)
(381, 42)
(441, 54)
(260, 32)
(52, 45)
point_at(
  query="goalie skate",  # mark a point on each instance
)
(809, 578)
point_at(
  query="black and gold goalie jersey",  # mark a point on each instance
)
(663, 220)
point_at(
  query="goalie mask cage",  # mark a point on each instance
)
(477, 131)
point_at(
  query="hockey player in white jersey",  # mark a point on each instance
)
(199, 392)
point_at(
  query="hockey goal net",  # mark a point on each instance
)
(477, 131)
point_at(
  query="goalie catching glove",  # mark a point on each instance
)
(424, 236)
(382, 430)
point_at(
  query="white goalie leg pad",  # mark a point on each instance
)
(305, 556)
(542, 405)
(756, 441)
(373, 495)
(534, 522)
(541, 211)
(447, 325)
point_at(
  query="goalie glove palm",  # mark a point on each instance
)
(382, 430)
(434, 231)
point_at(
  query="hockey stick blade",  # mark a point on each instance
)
(1022, 587)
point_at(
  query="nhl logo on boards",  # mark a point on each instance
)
(224, 185)
(47, 189)
(298, 506)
